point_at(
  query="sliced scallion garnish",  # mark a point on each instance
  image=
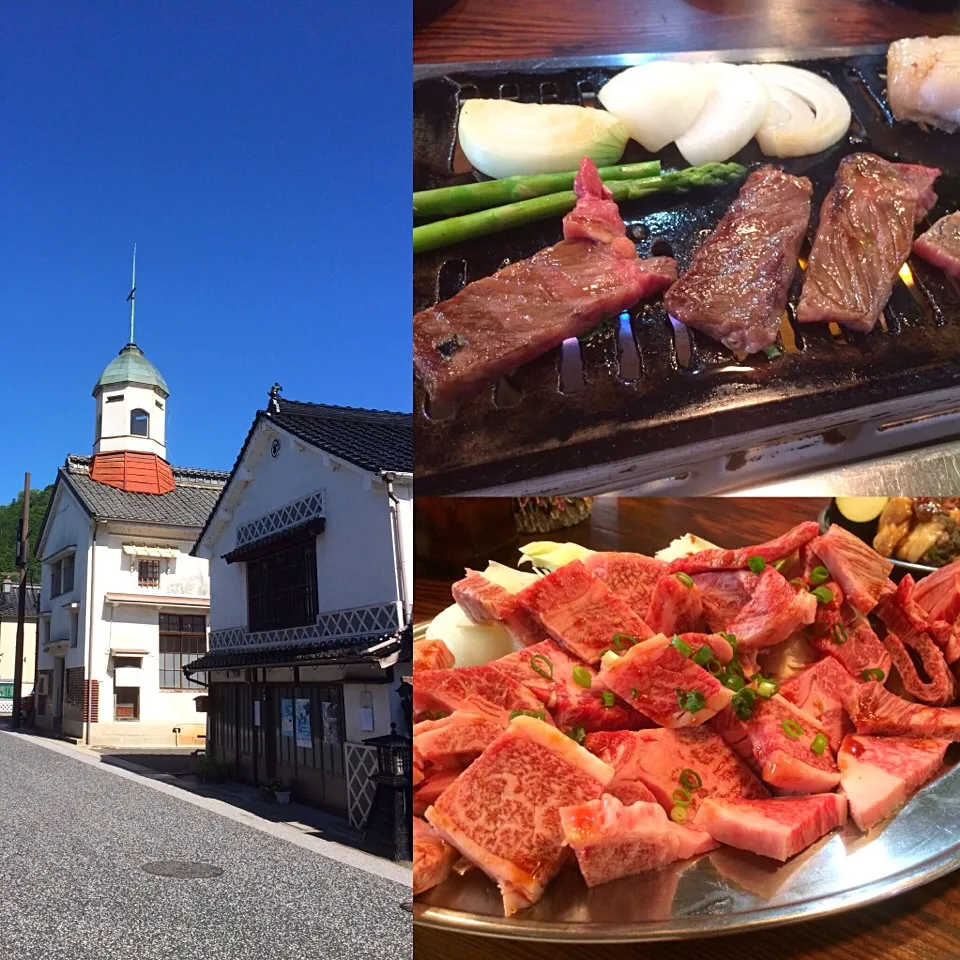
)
(767, 688)
(546, 671)
(823, 594)
(874, 673)
(690, 779)
(536, 714)
(757, 564)
(743, 703)
(732, 682)
(633, 693)
(792, 729)
(681, 797)
(608, 698)
(678, 814)
(703, 656)
(581, 675)
(818, 744)
(819, 575)
(778, 566)
(693, 701)
(839, 633)
(731, 638)
(681, 647)
(685, 579)
(797, 582)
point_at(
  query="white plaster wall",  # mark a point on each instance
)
(355, 553)
(8, 645)
(382, 716)
(114, 420)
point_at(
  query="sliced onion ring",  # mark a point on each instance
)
(792, 130)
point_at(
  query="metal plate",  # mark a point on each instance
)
(727, 890)
(182, 869)
(648, 390)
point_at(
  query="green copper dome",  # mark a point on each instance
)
(131, 366)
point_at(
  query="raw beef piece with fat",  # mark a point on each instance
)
(482, 600)
(861, 572)
(776, 609)
(778, 828)
(431, 655)
(580, 612)
(828, 693)
(938, 594)
(432, 858)
(611, 840)
(860, 649)
(736, 288)
(940, 245)
(879, 774)
(482, 691)
(659, 681)
(503, 812)
(723, 594)
(570, 703)
(906, 631)
(884, 713)
(497, 324)
(631, 576)
(771, 551)
(787, 762)
(674, 607)
(864, 237)
(430, 789)
(454, 741)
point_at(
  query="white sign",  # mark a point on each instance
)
(366, 719)
(256, 713)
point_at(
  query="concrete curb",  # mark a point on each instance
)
(164, 783)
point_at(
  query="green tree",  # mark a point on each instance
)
(9, 516)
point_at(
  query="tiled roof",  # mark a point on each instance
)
(372, 439)
(10, 599)
(188, 505)
(318, 651)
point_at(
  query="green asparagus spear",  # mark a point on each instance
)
(447, 201)
(442, 233)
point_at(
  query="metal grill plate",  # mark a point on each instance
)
(648, 389)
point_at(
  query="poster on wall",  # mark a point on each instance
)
(331, 724)
(304, 734)
(256, 713)
(286, 717)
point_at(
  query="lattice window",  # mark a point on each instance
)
(292, 515)
(361, 786)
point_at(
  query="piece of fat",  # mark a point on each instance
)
(684, 546)
(513, 581)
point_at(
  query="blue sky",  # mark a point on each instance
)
(259, 155)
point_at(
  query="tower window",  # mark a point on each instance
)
(140, 423)
(116, 398)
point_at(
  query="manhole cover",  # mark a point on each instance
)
(181, 869)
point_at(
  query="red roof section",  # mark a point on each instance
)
(133, 472)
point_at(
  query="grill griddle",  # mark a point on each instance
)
(650, 386)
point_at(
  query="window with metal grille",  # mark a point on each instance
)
(282, 588)
(183, 638)
(149, 573)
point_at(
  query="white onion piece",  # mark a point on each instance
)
(513, 581)
(657, 101)
(547, 555)
(734, 110)
(472, 644)
(794, 131)
(502, 138)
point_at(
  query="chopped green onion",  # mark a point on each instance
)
(874, 673)
(693, 701)
(734, 666)
(703, 656)
(797, 582)
(582, 676)
(578, 734)
(536, 714)
(732, 682)
(618, 639)
(767, 688)
(819, 575)
(548, 665)
(839, 633)
(792, 729)
(778, 566)
(690, 779)
(731, 638)
(608, 698)
(823, 594)
(772, 352)
(819, 743)
(715, 667)
(678, 814)
(681, 797)
(680, 646)
(743, 703)
(685, 579)
(757, 564)
(633, 693)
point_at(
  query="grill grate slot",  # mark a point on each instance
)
(646, 383)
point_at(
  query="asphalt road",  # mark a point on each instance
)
(74, 838)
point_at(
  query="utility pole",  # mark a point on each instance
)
(23, 557)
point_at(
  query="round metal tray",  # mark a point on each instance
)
(725, 891)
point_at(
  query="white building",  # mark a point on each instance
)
(310, 550)
(124, 604)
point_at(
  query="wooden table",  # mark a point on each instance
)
(918, 925)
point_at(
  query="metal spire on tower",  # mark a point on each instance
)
(132, 295)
